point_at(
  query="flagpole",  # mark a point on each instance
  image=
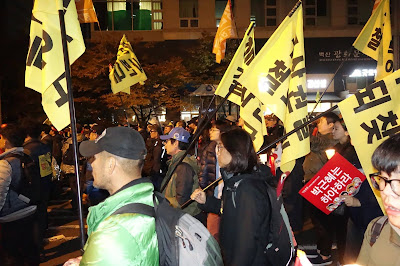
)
(269, 146)
(122, 104)
(72, 116)
(197, 134)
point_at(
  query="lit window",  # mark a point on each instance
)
(129, 14)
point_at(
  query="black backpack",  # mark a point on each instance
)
(280, 249)
(376, 229)
(28, 186)
(182, 239)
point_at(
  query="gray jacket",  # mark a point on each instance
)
(10, 175)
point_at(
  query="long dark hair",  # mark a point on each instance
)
(240, 146)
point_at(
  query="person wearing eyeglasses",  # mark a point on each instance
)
(209, 171)
(382, 247)
(244, 206)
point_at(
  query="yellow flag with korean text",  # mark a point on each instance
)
(226, 30)
(45, 70)
(86, 12)
(277, 77)
(127, 70)
(250, 106)
(371, 116)
(375, 40)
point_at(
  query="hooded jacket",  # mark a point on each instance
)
(183, 182)
(245, 213)
(122, 239)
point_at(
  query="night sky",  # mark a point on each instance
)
(17, 101)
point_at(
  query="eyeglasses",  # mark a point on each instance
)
(379, 182)
(153, 131)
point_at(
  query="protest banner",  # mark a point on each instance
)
(127, 70)
(371, 116)
(336, 178)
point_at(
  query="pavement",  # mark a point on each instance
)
(63, 234)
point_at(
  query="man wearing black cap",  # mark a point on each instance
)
(117, 157)
(184, 180)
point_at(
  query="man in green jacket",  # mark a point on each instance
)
(122, 239)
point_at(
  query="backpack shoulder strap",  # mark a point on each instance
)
(377, 229)
(10, 156)
(136, 208)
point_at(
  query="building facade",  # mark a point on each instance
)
(330, 28)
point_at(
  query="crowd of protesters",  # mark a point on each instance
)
(224, 150)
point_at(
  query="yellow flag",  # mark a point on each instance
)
(277, 77)
(250, 107)
(371, 116)
(86, 12)
(375, 40)
(376, 4)
(226, 30)
(127, 70)
(45, 70)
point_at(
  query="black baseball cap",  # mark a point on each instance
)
(120, 141)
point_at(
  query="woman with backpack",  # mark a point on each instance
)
(245, 206)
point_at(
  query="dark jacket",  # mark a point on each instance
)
(273, 134)
(152, 162)
(41, 155)
(244, 218)
(208, 161)
(369, 209)
(349, 153)
(57, 146)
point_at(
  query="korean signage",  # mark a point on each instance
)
(337, 178)
(340, 55)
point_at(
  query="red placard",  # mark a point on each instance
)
(336, 178)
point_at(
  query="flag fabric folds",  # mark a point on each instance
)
(375, 40)
(277, 77)
(86, 12)
(371, 116)
(45, 70)
(226, 30)
(250, 107)
(376, 4)
(127, 70)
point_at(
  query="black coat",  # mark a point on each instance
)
(244, 219)
(152, 162)
(369, 209)
(208, 161)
